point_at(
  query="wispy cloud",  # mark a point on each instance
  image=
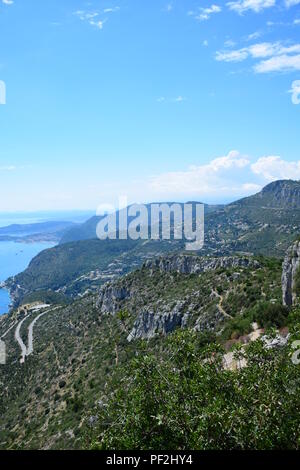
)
(253, 36)
(203, 14)
(8, 168)
(276, 56)
(291, 3)
(168, 8)
(111, 10)
(283, 63)
(177, 99)
(7, 2)
(93, 17)
(241, 6)
(229, 43)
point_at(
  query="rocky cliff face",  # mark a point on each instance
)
(290, 266)
(111, 296)
(282, 193)
(149, 323)
(163, 316)
(185, 264)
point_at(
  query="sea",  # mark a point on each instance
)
(15, 257)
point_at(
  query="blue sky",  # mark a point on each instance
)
(154, 100)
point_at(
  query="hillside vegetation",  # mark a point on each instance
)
(82, 352)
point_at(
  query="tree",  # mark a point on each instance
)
(186, 400)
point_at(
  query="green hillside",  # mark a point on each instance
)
(82, 354)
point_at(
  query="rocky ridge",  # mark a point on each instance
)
(163, 317)
(290, 267)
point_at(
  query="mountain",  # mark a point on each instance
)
(87, 230)
(50, 231)
(278, 201)
(283, 194)
(265, 223)
(82, 352)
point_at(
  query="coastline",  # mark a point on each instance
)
(15, 256)
(3, 287)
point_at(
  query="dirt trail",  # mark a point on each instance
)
(220, 307)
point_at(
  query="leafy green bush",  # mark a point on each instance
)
(237, 327)
(186, 400)
(270, 315)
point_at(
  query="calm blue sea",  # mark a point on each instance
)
(14, 258)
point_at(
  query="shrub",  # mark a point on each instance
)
(270, 315)
(62, 383)
(188, 401)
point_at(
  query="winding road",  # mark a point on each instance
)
(26, 351)
(20, 341)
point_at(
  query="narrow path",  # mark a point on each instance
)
(220, 297)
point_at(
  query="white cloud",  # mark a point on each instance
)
(204, 179)
(291, 3)
(283, 63)
(295, 90)
(177, 99)
(257, 6)
(258, 51)
(232, 56)
(229, 43)
(277, 57)
(7, 2)
(297, 21)
(272, 168)
(204, 14)
(111, 10)
(8, 168)
(226, 176)
(90, 17)
(255, 35)
(99, 24)
(168, 8)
